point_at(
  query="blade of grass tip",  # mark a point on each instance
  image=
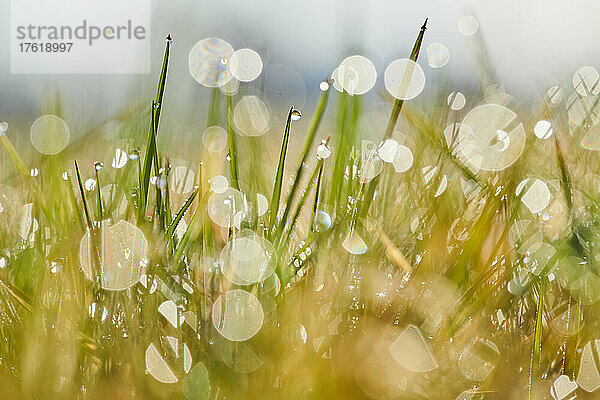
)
(414, 55)
(397, 108)
(232, 156)
(181, 213)
(192, 228)
(307, 145)
(152, 131)
(279, 174)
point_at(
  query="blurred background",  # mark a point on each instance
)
(530, 43)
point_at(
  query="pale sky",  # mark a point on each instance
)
(531, 43)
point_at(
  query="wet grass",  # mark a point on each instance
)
(358, 263)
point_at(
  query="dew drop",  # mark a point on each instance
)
(468, 25)
(323, 151)
(543, 129)
(404, 79)
(119, 159)
(296, 115)
(49, 134)
(237, 315)
(90, 185)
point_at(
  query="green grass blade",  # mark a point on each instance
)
(151, 150)
(98, 194)
(193, 228)
(313, 215)
(537, 344)
(414, 55)
(307, 145)
(286, 237)
(86, 209)
(232, 156)
(279, 174)
(181, 213)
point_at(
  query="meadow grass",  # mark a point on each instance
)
(382, 286)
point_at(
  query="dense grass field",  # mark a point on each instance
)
(451, 257)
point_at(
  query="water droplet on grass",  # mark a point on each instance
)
(456, 101)
(214, 138)
(247, 259)
(3, 128)
(354, 244)
(468, 25)
(584, 110)
(49, 134)
(555, 95)
(251, 116)
(437, 55)
(478, 359)
(562, 387)
(169, 310)
(323, 151)
(387, 150)
(543, 129)
(324, 86)
(196, 384)
(588, 376)
(90, 185)
(159, 357)
(412, 352)
(537, 196)
(586, 81)
(123, 252)
(404, 79)
(222, 207)
(219, 184)
(403, 159)
(119, 159)
(237, 315)
(499, 138)
(208, 64)
(262, 204)
(245, 65)
(296, 115)
(182, 180)
(355, 75)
